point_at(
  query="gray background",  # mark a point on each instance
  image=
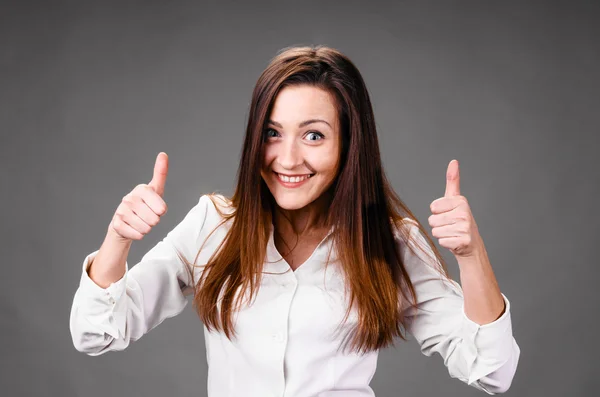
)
(91, 92)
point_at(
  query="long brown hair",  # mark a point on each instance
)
(364, 210)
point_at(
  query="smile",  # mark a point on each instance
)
(293, 181)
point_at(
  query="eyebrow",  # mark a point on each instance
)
(302, 124)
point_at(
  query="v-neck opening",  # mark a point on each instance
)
(272, 241)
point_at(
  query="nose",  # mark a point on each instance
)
(289, 156)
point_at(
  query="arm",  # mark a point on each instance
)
(105, 319)
(483, 300)
(483, 356)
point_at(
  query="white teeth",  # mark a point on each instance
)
(293, 179)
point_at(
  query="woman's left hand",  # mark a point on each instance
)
(452, 221)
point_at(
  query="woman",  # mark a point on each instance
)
(312, 266)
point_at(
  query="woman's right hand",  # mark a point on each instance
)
(141, 209)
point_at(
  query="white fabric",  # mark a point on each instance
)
(286, 344)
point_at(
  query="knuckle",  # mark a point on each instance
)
(130, 199)
(122, 209)
(139, 190)
(135, 198)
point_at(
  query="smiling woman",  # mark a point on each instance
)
(313, 253)
(302, 148)
(301, 158)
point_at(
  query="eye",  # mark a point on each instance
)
(270, 133)
(315, 136)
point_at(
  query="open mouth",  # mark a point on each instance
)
(293, 179)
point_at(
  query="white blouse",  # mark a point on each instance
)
(288, 338)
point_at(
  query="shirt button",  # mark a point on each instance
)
(111, 300)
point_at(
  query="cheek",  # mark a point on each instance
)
(268, 156)
(326, 162)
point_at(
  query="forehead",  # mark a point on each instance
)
(297, 103)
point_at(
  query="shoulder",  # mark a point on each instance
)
(217, 202)
(415, 247)
(216, 208)
(405, 230)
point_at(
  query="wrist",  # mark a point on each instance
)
(113, 238)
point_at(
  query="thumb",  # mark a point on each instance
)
(452, 179)
(161, 169)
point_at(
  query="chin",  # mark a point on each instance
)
(291, 201)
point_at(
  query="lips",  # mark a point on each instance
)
(292, 180)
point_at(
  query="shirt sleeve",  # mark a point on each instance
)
(483, 356)
(105, 319)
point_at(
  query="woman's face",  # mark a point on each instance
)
(302, 146)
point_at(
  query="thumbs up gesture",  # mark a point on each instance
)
(452, 221)
(141, 209)
(159, 178)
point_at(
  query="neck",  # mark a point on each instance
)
(302, 221)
